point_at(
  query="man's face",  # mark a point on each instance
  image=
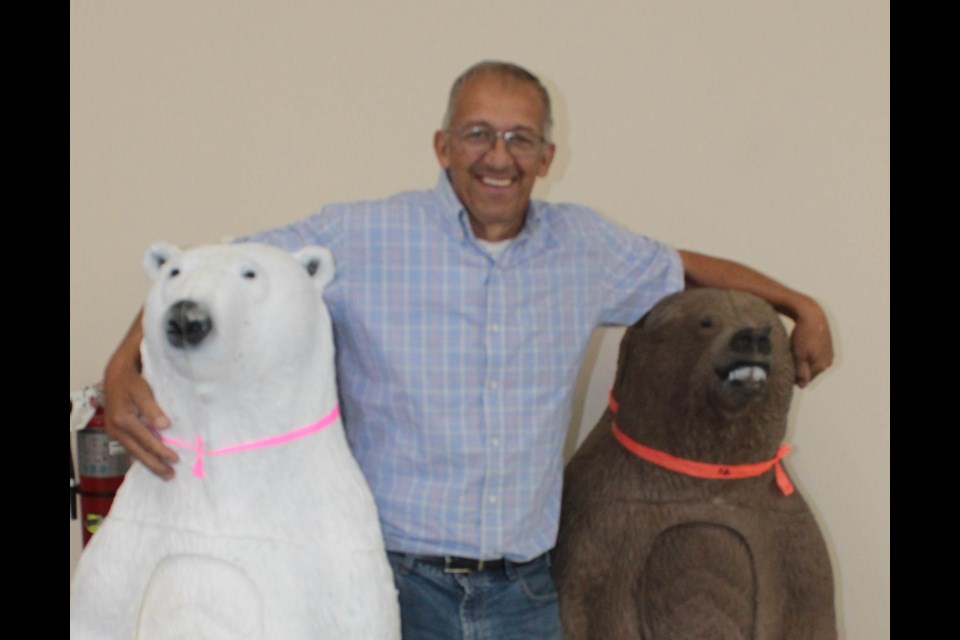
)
(494, 186)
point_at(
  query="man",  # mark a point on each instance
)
(461, 315)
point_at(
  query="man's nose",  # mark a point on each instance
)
(498, 155)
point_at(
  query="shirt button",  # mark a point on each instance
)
(495, 442)
(494, 328)
(492, 499)
(493, 384)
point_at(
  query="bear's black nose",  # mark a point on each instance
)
(751, 341)
(187, 324)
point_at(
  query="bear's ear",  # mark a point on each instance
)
(156, 256)
(318, 261)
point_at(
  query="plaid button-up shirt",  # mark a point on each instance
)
(456, 369)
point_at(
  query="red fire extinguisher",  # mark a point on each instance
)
(102, 461)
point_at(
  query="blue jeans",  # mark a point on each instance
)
(518, 602)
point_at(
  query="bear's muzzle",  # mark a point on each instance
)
(186, 324)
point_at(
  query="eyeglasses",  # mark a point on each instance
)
(480, 138)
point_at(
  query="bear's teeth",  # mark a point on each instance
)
(753, 374)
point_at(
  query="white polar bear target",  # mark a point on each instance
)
(269, 529)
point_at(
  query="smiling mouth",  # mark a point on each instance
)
(496, 182)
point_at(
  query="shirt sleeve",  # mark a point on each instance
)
(322, 229)
(638, 273)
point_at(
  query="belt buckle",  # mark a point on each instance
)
(447, 568)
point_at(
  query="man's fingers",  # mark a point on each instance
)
(142, 443)
(812, 345)
(131, 419)
(802, 374)
(144, 406)
(150, 453)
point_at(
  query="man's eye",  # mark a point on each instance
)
(477, 134)
(522, 138)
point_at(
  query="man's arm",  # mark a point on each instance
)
(130, 409)
(810, 341)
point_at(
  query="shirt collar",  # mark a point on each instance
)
(457, 221)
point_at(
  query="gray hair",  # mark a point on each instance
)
(504, 71)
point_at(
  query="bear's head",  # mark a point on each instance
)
(235, 316)
(706, 374)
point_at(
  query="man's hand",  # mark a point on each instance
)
(811, 343)
(131, 413)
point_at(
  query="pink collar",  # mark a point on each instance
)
(255, 444)
(703, 469)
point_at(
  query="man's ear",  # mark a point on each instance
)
(441, 146)
(546, 158)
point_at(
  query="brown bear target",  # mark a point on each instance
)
(678, 520)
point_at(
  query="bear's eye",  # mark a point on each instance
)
(706, 322)
(174, 273)
(249, 274)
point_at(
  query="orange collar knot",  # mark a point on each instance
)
(704, 469)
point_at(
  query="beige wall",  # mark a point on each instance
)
(755, 130)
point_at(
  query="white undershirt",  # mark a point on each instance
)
(494, 248)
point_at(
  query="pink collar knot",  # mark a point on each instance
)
(255, 444)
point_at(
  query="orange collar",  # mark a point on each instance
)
(703, 469)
